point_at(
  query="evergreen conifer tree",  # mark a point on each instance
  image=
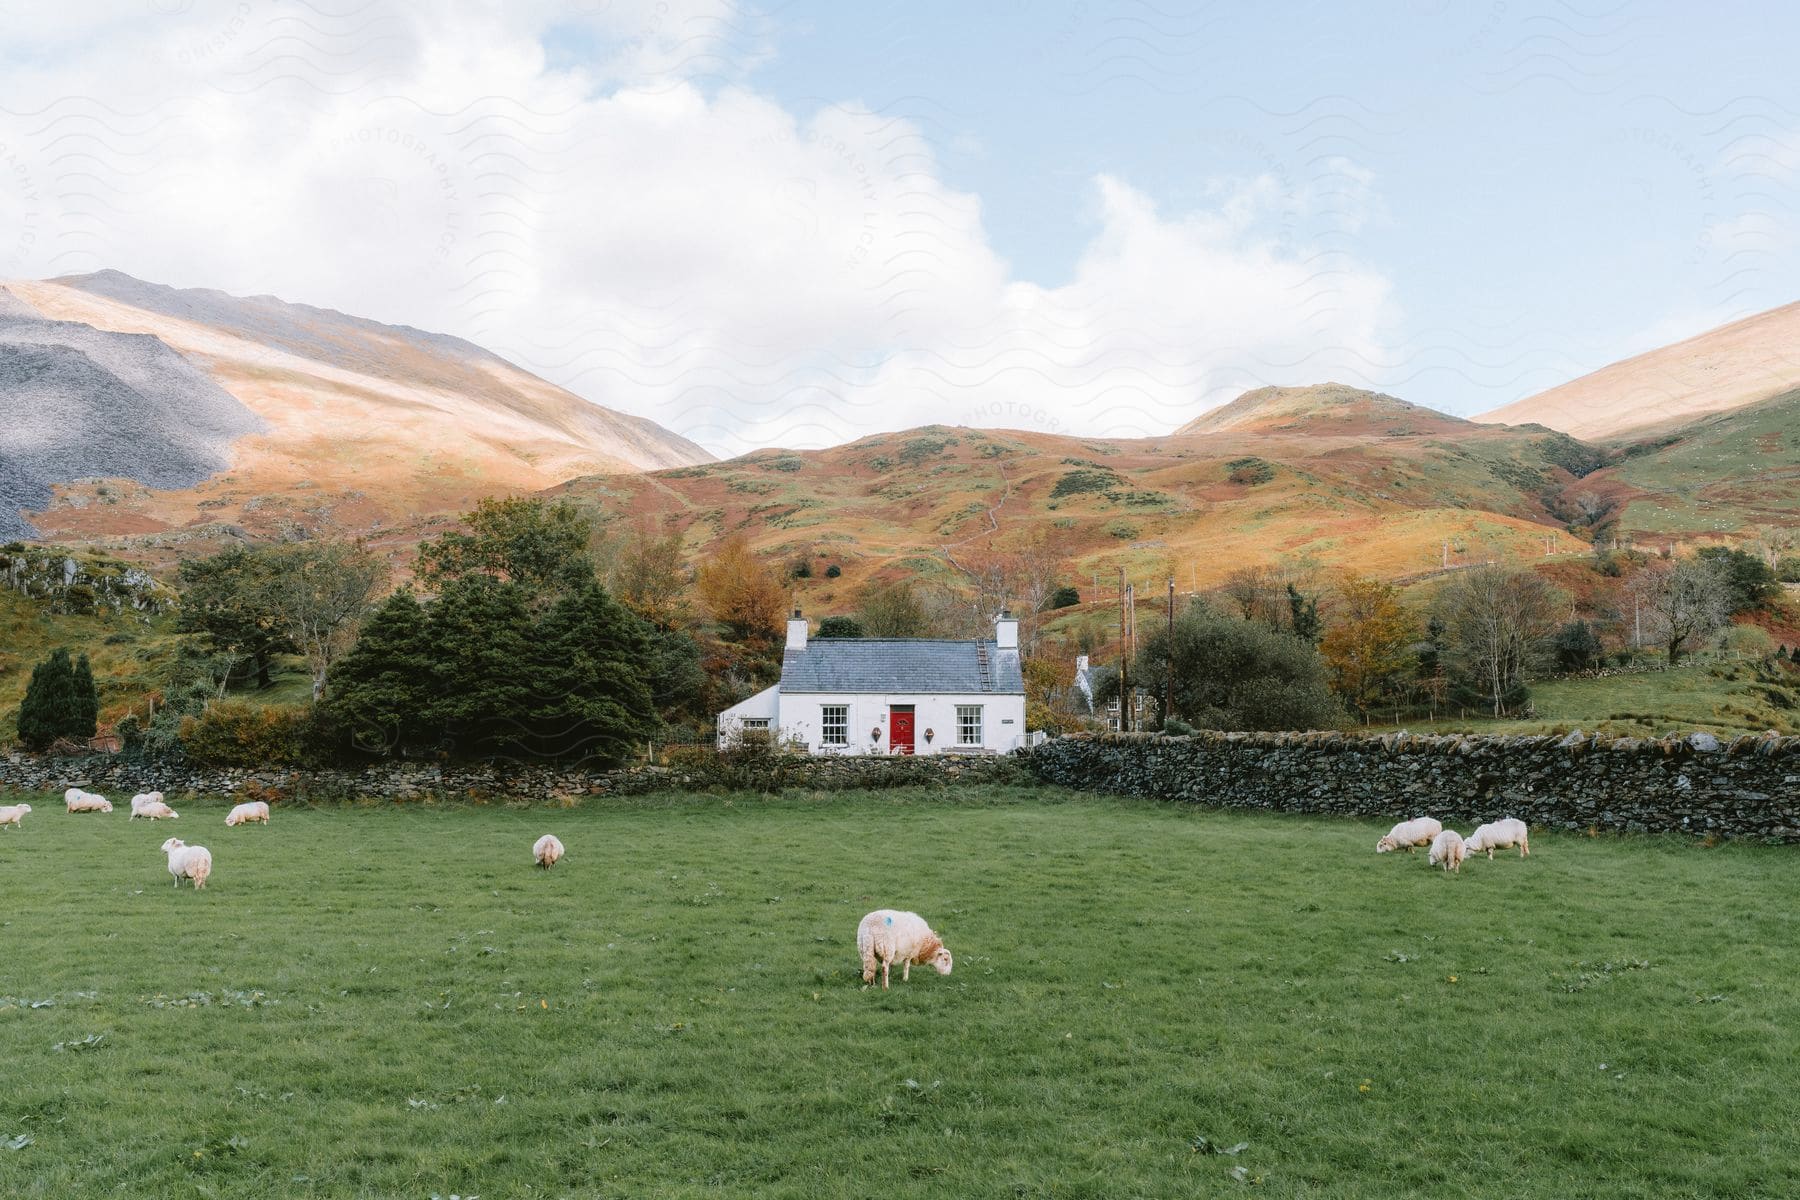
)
(87, 701)
(49, 710)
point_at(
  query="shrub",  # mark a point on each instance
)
(833, 571)
(236, 733)
(1077, 483)
(840, 627)
(802, 569)
(1578, 647)
(1063, 597)
(1249, 472)
(1789, 569)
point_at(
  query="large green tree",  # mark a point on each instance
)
(540, 546)
(1237, 674)
(383, 689)
(226, 597)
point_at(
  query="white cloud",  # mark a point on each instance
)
(636, 222)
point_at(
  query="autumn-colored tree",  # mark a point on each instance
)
(1368, 647)
(889, 610)
(648, 578)
(741, 592)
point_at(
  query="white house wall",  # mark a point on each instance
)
(1002, 721)
(765, 705)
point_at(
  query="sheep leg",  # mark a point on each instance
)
(885, 964)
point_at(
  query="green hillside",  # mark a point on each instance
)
(1720, 474)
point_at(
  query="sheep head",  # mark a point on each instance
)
(1386, 845)
(941, 960)
(172, 845)
(24, 808)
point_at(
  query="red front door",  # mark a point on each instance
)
(900, 730)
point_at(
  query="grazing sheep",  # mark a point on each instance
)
(547, 850)
(1447, 851)
(1498, 835)
(1416, 832)
(79, 801)
(886, 936)
(154, 810)
(188, 862)
(143, 799)
(12, 814)
(243, 814)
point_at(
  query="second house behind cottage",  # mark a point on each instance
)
(890, 695)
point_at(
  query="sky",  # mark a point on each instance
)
(799, 224)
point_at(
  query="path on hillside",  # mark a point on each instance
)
(993, 521)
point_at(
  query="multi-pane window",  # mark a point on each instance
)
(756, 729)
(968, 724)
(834, 720)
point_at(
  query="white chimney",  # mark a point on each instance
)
(796, 639)
(1006, 631)
(1081, 661)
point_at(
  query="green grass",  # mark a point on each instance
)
(1725, 698)
(391, 1002)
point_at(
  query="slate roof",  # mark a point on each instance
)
(900, 665)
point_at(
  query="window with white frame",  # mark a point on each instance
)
(756, 729)
(834, 722)
(968, 724)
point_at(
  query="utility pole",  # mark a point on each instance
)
(1169, 658)
(1124, 660)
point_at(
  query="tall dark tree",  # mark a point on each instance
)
(586, 693)
(51, 709)
(87, 700)
(383, 689)
(482, 640)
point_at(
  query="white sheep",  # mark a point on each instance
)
(142, 800)
(243, 814)
(1498, 835)
(188, 862)
(886, 937)
(12, 814)
(1447, 851)
(79, 801)
(1417, 832)
(546, 851)
(155, 810)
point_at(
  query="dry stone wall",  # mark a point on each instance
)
(1697, 784)
(115, 776)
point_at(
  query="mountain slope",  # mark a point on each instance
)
(1725, 368)
(1332, 408)
(77, 402)
(1725, 473)
(936, 500)
(362, 425)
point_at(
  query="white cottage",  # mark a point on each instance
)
(891, 695)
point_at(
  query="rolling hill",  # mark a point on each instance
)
(1735, 365)
(1283, 480)
(150, 417)
(1327, 408)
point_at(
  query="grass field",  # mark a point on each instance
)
(1726, 698)
(391, 1002)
